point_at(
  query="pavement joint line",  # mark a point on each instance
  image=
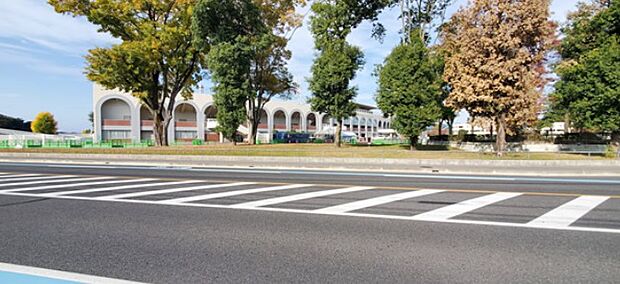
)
(345, 214)
(334, 171)
(49, 274)
(550, 194)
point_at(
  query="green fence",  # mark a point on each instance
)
(7, 144)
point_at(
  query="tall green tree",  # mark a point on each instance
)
(588, 92)
(410, 88)
(44, 123)
(228, 64)
(155, 61)
(493, 50)
(337, 60)
(260, 28)
(422, 16)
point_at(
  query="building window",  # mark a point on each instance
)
(185, 135)
(116, 135)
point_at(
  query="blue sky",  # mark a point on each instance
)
(41, 59)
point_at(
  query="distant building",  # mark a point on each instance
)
(471, 129)
(120, 116)
(556, 129)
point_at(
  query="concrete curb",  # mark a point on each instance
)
(520, 167)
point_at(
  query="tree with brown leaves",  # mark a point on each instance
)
(494, 48)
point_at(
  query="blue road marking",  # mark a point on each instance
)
(22, 278)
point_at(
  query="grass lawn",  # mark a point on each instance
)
(311, 150)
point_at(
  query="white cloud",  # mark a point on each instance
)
(36, 22)
(25, 59)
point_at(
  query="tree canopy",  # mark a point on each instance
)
(156, 59)
(257, 29)
(410, 88)
(588, 91)
(493, 48)
(337, 61)
(44, 123)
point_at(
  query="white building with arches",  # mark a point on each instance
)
(120, 116)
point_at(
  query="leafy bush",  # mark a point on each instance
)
(611, 152)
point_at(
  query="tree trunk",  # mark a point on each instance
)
(160, 129)
(501, 135)
(413, 141)
(253, 129)
(439, 126)
(450, 128)
(615, 137)
(338, 134)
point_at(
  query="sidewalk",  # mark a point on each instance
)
(479, 167)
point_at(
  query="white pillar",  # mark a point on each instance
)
(97, 121)
(200, 123)
(270, 125)
(172, 128)
(135, 124)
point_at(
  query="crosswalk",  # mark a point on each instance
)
(508, 209)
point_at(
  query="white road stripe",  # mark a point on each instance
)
(13, 184)
(364, 215)
(37, 178)
(172, 190)
(80, 191)
(356, 205)
(463, 207)
(569, 212)
(10, 177)
(74, 184)
(232, 193)
(301, 196)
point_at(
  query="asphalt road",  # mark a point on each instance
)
(178, 236)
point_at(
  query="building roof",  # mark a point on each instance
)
(365, 107)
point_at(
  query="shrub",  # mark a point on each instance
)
(44, 123)
(611, 152)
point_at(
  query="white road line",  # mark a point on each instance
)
(47, 274)
(348, 214)
(13, 184)
(232, 193)
(356, 205)
(10, 177)
(173, 190)
(74, 184)
(463, 207)
(301, 196)
(45, 178)
(569, 212)
(80, 191)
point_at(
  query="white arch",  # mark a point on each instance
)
(287, 118)
(301, 119)
(133, 110)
